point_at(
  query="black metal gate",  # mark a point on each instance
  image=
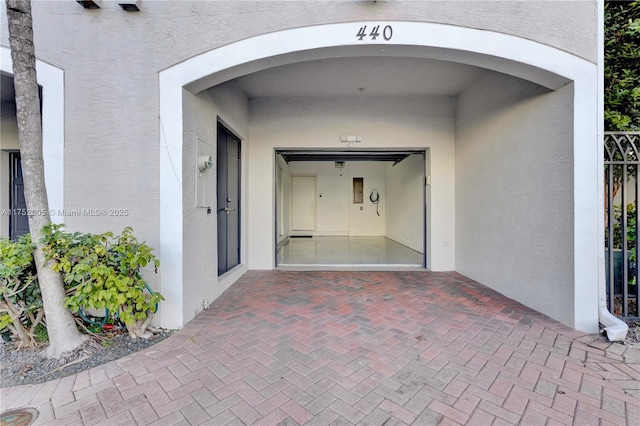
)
(622, 188)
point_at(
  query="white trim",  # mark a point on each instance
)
(542, 64)
(615, 328)
(586, 203)
(171, 240)
(52, 81)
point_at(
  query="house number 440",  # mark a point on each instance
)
(387, 33)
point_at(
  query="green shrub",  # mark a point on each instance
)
(21, 308)
(100, 271)
(42, 335)
(103, 271)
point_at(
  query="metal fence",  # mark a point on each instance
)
(622, 189)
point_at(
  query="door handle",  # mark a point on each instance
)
(228, 210)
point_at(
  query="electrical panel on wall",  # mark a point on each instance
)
(203, 165)
(358, 190)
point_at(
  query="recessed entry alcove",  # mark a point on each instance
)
(493, 120)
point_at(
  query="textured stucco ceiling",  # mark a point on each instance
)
(377, 76)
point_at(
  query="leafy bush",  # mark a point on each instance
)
(21, 310)
(621, 65)
(103, 272)
(100, 271)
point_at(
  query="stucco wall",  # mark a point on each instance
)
(405, 202)
(409, 122)
(168, 31)
(200, 261)
(111, 59)
(514, 192)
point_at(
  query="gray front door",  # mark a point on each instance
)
(18, 220)
(228, 172)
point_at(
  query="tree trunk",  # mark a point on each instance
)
(140, 329)
(61, 327)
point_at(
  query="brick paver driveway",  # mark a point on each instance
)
(383, 348)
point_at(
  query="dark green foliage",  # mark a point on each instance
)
(622, 65)
(102, 271)
(21, 308)
(631, 233)
(99, 271)
(41, 333)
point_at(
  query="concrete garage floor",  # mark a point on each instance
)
(366, 348)
(378, 252)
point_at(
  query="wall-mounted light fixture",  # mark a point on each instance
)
(351, 138)
(90, 4)
(204, 162)
(130, 5)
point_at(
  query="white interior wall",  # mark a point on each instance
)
(405, 203)
(363, 220)
(403, 122)
(200, 274)
(514, 191)
(399, 187)
(8, 141)
(336, 213)
(332, 215)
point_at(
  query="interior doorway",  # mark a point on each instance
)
(336, 208)
(303, 203)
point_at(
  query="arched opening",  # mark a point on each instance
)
(489, 164)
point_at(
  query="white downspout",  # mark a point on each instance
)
(615, 328)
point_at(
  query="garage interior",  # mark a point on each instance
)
(352, 207)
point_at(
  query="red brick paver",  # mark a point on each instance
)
(320, 348)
